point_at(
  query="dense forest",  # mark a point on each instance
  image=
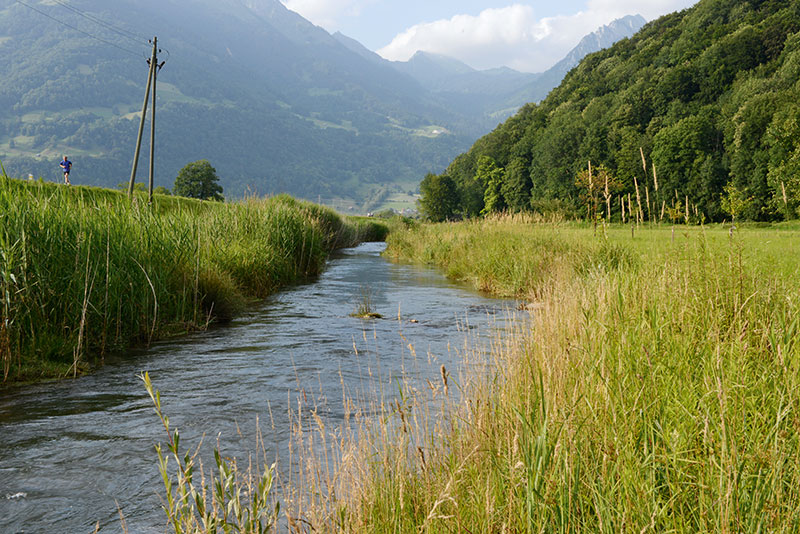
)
(697, 115)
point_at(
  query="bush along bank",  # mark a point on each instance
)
(84, 271)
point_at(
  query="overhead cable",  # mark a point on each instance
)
(88, 16)
(78, 29)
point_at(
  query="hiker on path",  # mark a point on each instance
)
(66, 165)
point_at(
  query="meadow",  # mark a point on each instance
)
(648, 383)
(86, 271)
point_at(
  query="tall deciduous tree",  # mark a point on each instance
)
(439, 197)
(198, 180)
(492, 177)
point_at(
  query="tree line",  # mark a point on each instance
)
(696, 114)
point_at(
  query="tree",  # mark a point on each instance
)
(491, 177)
(516, 189)
(439, 197)
(198, 180)
(595, 183)
(138, 186)
(784, 160)
(734, 202)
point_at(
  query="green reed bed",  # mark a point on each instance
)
(651, 385)
(84, 271)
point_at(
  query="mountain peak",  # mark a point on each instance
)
(603, 37)
(358, 48)
(448, 64)
(609, 34)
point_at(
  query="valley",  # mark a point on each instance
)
(277, 104)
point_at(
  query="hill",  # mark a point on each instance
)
(274, 102)
(709, 96)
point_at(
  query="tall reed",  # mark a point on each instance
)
(83, 271)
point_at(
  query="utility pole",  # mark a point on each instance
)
(152, 138)
(150, 79)
(153, 131)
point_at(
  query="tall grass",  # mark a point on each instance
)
(653, 387)
(84, 271)
(232, 499)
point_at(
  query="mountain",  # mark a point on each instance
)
(709, 97)
(434, 71)
(276, 103)
(603, 37)
(358, 48)
(495, 94)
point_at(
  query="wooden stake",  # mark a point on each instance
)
(640, 214)
(630, 208)
(655, 177)
(644, 164)
(687, 209)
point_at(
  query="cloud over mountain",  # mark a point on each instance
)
(515, 36)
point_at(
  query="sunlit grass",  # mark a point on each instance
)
(651, 387)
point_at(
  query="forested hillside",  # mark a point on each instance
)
(275, 103)
(708, 97)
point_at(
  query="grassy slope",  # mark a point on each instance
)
(653, 388)
(84, 271)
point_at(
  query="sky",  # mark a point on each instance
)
(529, 36)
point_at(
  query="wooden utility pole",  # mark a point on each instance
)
(152, 130)
(150, 78)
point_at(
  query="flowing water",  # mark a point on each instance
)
(72, 452)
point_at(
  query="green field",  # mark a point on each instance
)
(646, 384)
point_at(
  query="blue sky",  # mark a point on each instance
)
(528, 35)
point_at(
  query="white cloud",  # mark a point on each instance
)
(480, 39)
(514, 37)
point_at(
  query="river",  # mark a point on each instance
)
(72, 451)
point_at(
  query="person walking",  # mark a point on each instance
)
(66, 165)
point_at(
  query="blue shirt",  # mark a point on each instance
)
(66, 164)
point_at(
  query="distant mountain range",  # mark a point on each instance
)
(274, 102)
(495, 94)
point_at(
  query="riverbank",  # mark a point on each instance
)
(651, 385)
(84, 271)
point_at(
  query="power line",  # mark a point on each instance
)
(78, 29)
(119, 31)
